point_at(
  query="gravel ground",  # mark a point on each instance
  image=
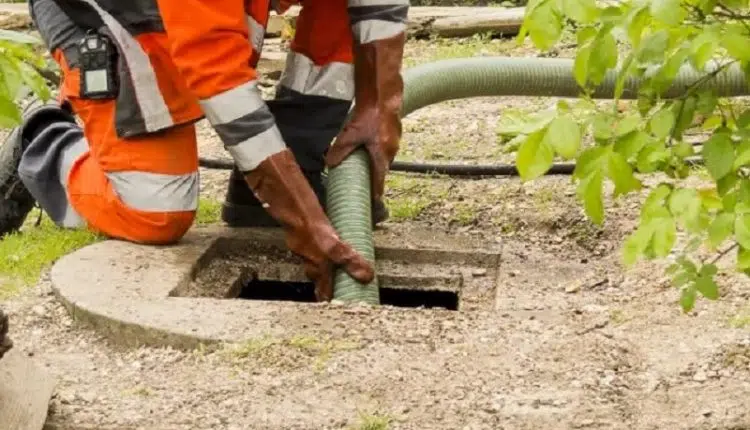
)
(575, 341)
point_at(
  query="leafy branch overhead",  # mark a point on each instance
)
(651, 43)
(19, 65)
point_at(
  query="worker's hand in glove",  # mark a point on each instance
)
(376, 122)
(323, 251)
(377, 132)
(279, 183)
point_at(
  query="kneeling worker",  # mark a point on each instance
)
(139, 74)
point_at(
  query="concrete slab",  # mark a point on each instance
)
(25, 392)
(145, 295)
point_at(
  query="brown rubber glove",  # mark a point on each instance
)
(280, 185)
(376, 121)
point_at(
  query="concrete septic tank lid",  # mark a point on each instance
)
(181, 295)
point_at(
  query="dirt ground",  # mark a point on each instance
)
(575, 341)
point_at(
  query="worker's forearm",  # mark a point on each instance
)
(374, 20)
(210, 45)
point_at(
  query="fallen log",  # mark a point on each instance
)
(502, 22)
(425, 21)
(444, 22)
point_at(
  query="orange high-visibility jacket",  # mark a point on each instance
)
(206, 52)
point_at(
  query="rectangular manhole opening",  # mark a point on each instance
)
(304, 292)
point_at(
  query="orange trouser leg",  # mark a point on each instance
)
(141, 189)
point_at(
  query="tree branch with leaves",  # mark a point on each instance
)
(651, 40)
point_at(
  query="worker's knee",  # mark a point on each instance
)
(138, 207)
(161, 228)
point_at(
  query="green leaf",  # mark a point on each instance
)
(631, 144)
(707, 102)
(646, 101)
(653, 47)
(583, 11)
(534, 156)
(590, 161)
(662, 80)
(665, 235)
(705, 283)
(12, 79)
(743, 197)
(685, 205)
(514, 123)
(743, 258)
(683, 278)
(684, 112)
(635, 245)
(590, 192)
(603, 126)
(726, 185)
(703, 49)
(654, 204)
(710, 198)
(742, 230)
(622, 175)
(605, 58)
(720, 229)
(743, 155)
(687, 299)
(718, 153)
(707, 6)
(683, 150)
(661, 123)
(564, 135)
(667, 11)
(544, 25)
(10, 115)
(611, 15)
(636, 24)
(625, 71)
(651, 157)
(736, 45)
(713, 122)
(35, 81)
(581, 65)
(627, 124)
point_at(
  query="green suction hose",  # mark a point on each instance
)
(349, 197)
(349, 204)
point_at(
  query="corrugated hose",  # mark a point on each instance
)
(349, 198)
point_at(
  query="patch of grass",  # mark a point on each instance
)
(446, 48)
(506, 223)
(140, 391)
(24, 255)
(249, 348)
(407, 208)
(544, 198)
(407, 197)
(373, 422)
(464, 214)
(209, 212)
(741, 321)
(618, 316)
(269, 351)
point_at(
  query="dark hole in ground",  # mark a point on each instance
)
(304, 292)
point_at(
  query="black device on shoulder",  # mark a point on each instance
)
(98, 62)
